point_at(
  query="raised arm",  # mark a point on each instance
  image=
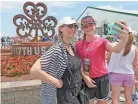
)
(123, 36)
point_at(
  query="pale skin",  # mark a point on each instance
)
(36, 70)
(89, 30)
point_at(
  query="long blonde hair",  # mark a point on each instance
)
(128, 44)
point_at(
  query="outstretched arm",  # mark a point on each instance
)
(123, 36)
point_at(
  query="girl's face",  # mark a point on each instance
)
(69, 30)
(89, 28)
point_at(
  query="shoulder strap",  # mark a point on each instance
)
(76, 86)
(68, 67)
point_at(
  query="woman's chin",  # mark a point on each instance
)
(89, 33)
(71, 37)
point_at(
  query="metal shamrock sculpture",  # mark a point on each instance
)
(30, 25)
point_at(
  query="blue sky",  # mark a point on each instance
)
(58, 9)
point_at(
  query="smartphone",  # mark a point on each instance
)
(111, 30)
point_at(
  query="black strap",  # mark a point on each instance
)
(73, 78)
(76, 86)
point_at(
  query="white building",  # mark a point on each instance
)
(104, 16)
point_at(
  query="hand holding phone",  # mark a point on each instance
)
(111, 30)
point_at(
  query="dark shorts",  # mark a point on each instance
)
(101, 92)
(66, 97)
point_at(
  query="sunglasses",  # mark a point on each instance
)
(87, 20)
(72, 26)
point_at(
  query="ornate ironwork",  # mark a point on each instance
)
(34, 21)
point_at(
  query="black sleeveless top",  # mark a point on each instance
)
(67, 94)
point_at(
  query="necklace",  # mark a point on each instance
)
(89, 49)
(67, 45)
(69, 49)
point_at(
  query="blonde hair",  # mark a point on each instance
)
(128, 44)
(60, 34)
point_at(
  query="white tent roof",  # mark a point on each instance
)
(102, 16)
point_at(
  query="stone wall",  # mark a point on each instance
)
(21, 94)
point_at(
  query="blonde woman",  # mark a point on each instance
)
(53, 68)
(122, 69)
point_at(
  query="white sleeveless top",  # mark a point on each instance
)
(122, 64)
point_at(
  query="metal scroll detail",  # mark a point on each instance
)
(34, 21)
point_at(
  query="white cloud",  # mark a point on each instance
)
(11, 4)
(121, 9)
(19, 4)
(60, 4)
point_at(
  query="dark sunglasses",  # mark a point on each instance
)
(72, 26)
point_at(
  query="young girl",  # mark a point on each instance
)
(92, 50)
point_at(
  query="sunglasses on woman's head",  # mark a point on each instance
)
(72, 26)
(87, 20)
